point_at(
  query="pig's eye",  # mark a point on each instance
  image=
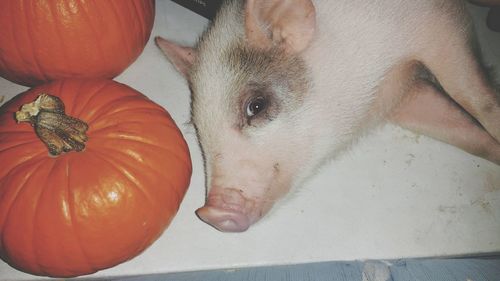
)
(255, 106)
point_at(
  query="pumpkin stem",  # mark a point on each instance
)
(57, 130)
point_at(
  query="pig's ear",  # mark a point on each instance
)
(181, 57)
(288, 24)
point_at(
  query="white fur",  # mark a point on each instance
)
(357, 43)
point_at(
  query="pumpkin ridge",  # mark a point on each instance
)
(168, 183)
(104, 116)
(141, 18)
(126, 135)
(74, 226)
(92, 95)
(18, 52)
(35, 216)
(126, 110)
(6, 176)
(136, 108)
(171, 151)
(68, 111)
(151, 167)
(3, 65)
(37, 64)
(125, 39)
(60, 38)
(114, 166)
(120, 167)
(17, 144)
(24, 162)
(94, 30)
(8, 216)
(102, 110)
(19, 131)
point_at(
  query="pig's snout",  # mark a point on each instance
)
(223, 219)
(228, 211)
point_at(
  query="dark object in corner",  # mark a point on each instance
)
(205, 8)
(493, 20)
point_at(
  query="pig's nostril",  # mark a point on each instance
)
(224, 220)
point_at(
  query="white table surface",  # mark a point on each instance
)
(394, 195)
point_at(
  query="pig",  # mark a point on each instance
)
(280, 87)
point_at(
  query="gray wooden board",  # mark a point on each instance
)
(447, 270)
(466, 269)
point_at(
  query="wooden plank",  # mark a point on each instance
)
(447, 270)
(325, 271)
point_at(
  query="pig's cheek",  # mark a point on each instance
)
(251, 176)
(268, 185)
(254, 180)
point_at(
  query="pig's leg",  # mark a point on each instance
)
(429, 112)
(456, 64)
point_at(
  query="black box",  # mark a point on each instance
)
(205, 8)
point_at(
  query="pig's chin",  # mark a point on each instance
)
(228, 210)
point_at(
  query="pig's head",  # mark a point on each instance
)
(248, 85)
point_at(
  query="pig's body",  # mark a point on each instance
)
(359, 44)
(271, 103)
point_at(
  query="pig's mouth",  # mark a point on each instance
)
(228, 210)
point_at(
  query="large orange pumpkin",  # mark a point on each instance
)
(45, 40)
(80, 212)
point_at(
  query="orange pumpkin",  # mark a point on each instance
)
(42, 40)
(79, 212)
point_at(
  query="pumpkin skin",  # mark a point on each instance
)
(45, 40)
(84, 211)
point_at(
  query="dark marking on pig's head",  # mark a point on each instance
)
(267, 83)
(258, 105)
(230, 75)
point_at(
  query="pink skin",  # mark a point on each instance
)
(231, 209)
(227, 210)
(243, 185)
